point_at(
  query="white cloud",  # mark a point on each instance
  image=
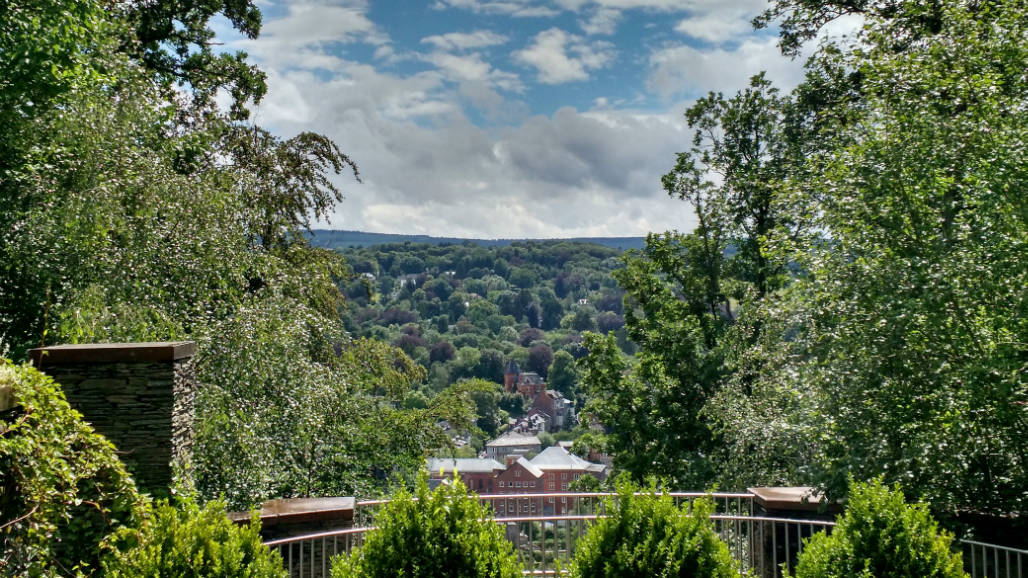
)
(559, 57)
(298, 39)
(717, 22)
(488, 101)
(601, 21)
(515, 8)
(455, 41)
(460, 67)
(428, 169)
(685, 70)
(307, 24)
(715, 28)
(471, 67)
(661, 5)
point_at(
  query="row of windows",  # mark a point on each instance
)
(564, 476)
(519, 484)
(563, 486)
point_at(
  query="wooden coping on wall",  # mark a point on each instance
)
(300, 511)
(146, 352)
(793, 499)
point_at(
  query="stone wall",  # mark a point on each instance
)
(139, 395)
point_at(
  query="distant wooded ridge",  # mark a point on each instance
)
(333, 239)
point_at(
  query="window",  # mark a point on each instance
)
(531, 484)
(553, 486)
(578, 476)
(517, 473)
(563, 488)
(501, 483)
(564, 475)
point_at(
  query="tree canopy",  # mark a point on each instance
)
(875, 324)
(133, 208)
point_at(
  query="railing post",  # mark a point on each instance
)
(775, 544)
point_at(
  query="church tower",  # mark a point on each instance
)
(510, 377)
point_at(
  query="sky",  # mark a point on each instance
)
(505, 118)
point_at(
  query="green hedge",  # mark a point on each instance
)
(445, 533)
(881, 536)
(647, 535)
(63, 491)
(185, 541)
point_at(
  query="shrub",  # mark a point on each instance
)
(185, 541)
(445, 533)
(880, 535)
(647, 535)
(63, 491)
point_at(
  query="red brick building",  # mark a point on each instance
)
(551, 472)
(558, 410)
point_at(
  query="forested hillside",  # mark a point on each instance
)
(332, 239)
(464, 311)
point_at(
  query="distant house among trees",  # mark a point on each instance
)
(512, 443)
(558, 410)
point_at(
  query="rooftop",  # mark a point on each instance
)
(514, 439)
(463, 465)
(532, 468)
(531, 378)
(558, 458)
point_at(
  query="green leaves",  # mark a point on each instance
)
(283, 184)
(647, 535)
(926, 269)
(880, 535)
(184, 540)
(442, 533)
(64, 495)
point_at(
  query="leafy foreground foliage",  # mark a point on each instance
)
(873, 318)
(63, 492)
(647, 535)
(878, 536)
(443, 533)
(182, 540)
(131, 209)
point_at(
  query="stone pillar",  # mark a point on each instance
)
(138, 395)
(779, 542)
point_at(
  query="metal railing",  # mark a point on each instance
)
(991, 561)
(546, 528)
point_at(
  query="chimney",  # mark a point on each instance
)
(509, 459)
(138, 395)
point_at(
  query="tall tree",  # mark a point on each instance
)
(285, 183)
(683, 292)
(129, 215)
(174, 41)
(901, 353)
(918, 306)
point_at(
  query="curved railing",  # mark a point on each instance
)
(545, 534)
